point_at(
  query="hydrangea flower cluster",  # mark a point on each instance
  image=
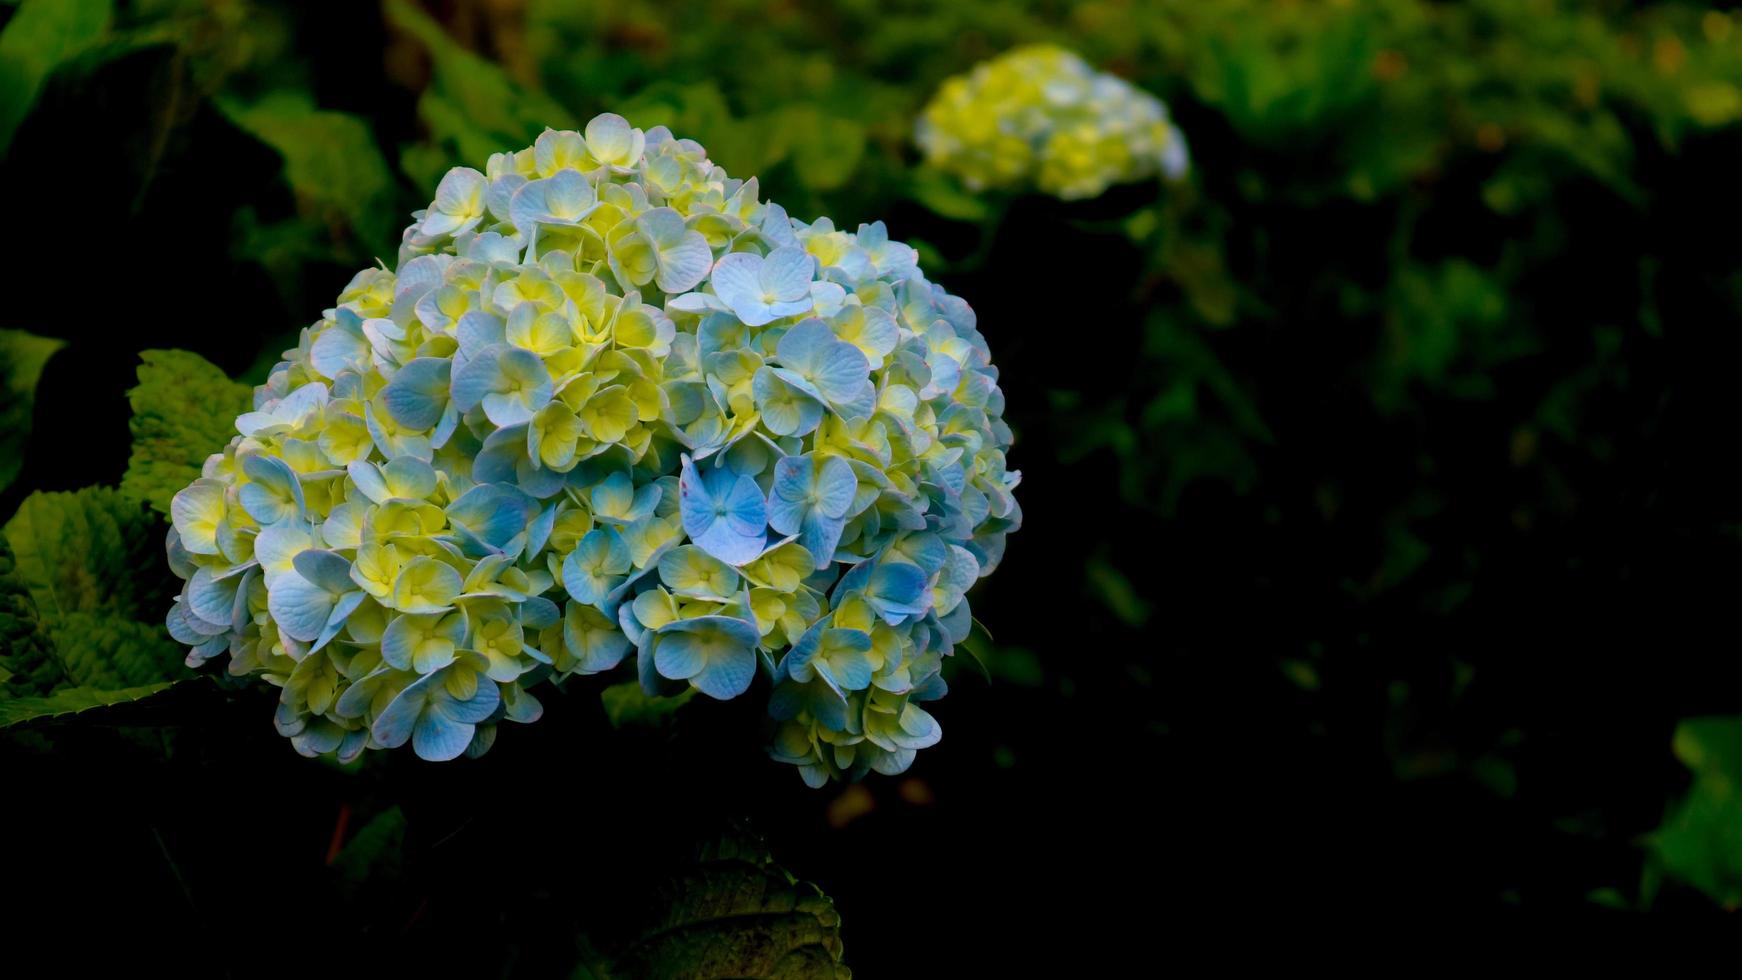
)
(1041, 114)
(609, 402)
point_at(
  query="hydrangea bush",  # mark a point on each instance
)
(608, 404)
(1042, 115)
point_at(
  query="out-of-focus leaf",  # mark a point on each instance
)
(734, 913)
(626, 704)
(826, 148)
(1113, 587)
(472, 106)
(943, 195)
(41, 36)
(1700, 841)
(331, 162)
(698, 111)
(184, 410)
(22, 358)
(375, 853)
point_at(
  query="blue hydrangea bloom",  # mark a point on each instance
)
(608, 405)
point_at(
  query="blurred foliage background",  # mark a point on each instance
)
(1381, 492)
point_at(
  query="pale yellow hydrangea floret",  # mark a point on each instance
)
(1040, 114)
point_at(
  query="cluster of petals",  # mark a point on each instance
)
(1041, 115)
(609, 406)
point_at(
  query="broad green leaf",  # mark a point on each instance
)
(183, 411)
(40, 37)
(22, 358)
(627, 704)
(1700, 841)
(26, 653)
(91, 563)
(734, 913)
(331, 162)
(72, 700)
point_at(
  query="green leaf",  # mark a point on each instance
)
(376, 853)
(826, 148)
(183, 411)
(943, 195)
(734, 913)
(331, 162)
(626, 704)
(40, 37)
(26, 652)
(1115, 590)
(92, 565)
(1700, 841)
(72, 700)
(22, 358)
(472, 106)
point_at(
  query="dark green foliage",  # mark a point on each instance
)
(26, 654)
(90, 564)
(1380, 502)
(376, 854)
(733, 913)
(22, 358)
(40, 37)
(184, 410)
(626, 704)
(332, 165)
(71, 700)
(1700, 841)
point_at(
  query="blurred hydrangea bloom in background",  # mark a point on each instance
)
(609, 404)
(1040, 114)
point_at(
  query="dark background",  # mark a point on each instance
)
(1380, 480)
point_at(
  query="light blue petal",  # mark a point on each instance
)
(369, 482)
(820, 534)
(324, 568)
(725, 647)
(897, 590)
(683, 265)
(177, 621)
(394, 726)
(679, 656)
(538, 613)
(410, 477)
(275, 493)
(418, 393)
(211, 598)
(841, 373)
(786, 275)
(439, 739)
(299, 607)
(594, 648)
(477, 332)
(342, 610)
(736, 279)
(340, 348)
(836, 484)
(803, 347)
(479, 707)
(494, 513)
(481, 375)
